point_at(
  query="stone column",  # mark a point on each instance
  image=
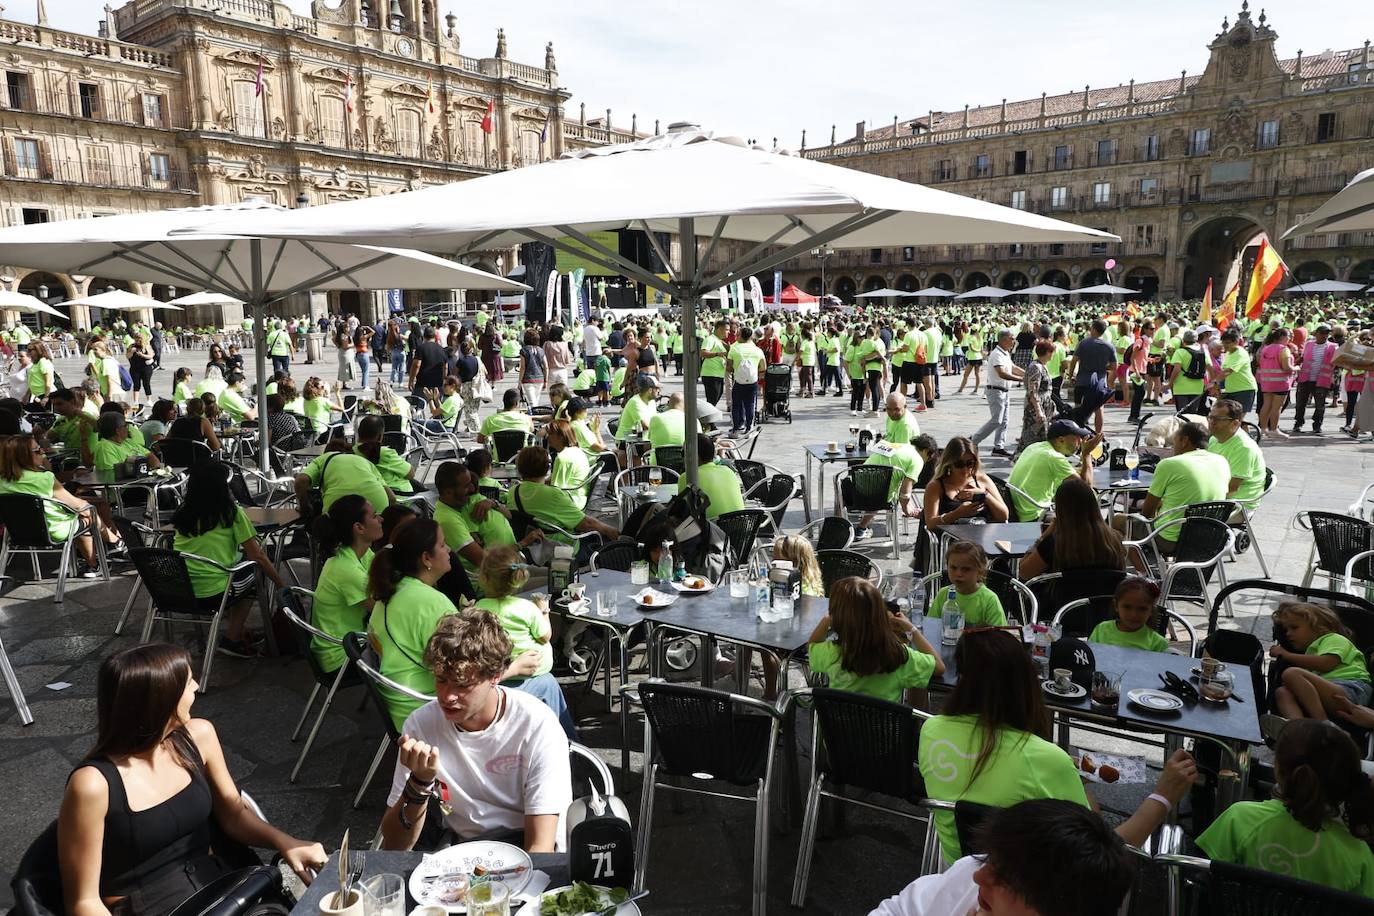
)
(294, 95)
(197, 53)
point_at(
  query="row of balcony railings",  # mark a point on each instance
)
(964, 254)
(142, 109)
(20, 165)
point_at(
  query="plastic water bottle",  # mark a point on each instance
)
(951, 619)
(665, 562)
(763, 604)
(916, 603)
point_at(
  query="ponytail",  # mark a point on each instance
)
(334, 529)
(401, 557)
(1318, 769)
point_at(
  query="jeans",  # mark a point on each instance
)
(398, 366)
(281, 364)
(742, 401)
(1310, 390)
(546, 688)
(715, 387)
(364, 367)
(999, 406)
(875, 387)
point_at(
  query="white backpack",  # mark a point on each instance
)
(747, 372)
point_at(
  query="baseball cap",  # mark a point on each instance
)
(1066, 428)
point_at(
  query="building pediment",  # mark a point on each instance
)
(331, 74)
(248, 59)
(408, 90)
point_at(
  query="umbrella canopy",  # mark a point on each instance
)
(204, 298)
(1105, 289)
(26, 303)
(1325, 286)
(119, 299)
(988, 292)
(931, 292)
(786, 206)
(1044, 289)
(882, 294)
(1351, 210)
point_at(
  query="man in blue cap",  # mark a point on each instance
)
(1043, 466)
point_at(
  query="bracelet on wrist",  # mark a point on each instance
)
(1168, 805)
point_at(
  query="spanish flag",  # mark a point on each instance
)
(1265, 278)
(1204, 316)
(1226, 312)
(429, 95)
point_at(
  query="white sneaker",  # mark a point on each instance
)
(853, 413)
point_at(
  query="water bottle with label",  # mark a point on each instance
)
(665, 562)
(763, 604)
(951, 619)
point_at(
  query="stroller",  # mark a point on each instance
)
(777, 389)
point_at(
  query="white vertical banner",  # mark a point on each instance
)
(756, 294)
(737, 291)
(553, 297)
(724, 294)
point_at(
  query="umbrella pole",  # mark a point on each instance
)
(258, 310)
(688, 243)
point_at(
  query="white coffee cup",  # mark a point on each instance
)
(575, 591)
(1063, 679)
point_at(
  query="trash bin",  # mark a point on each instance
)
(314, 347)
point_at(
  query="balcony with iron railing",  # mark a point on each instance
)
(108, 106)
(96, 174)
(930, 255)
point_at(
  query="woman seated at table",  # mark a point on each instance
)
(549, 505)
(217, 359)
(385, 403)
(213, 383)
(444, 407)
(283, 429)
(339, 472)
(396, 472)
(160, 419)
(991, 744)
(231, 400)
(559, 398)
(345, 534)
(134, 831)
(210, 524)
(319, 403)
(116, 443)
(588, 432)
(291, 397)
(571, 468)
(24, 469)
(479, 462)
(195, 426)
(1077, 538)
(960, 490)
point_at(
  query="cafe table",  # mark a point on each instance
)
(1234, 723)
(819, 453)
(307, 453)
(388, 862)
(1120, 484)
(1019, 537)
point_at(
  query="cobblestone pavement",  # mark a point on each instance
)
(701, 857)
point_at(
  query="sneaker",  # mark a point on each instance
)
(84, 571)
(1001, 453)
(236, 649)
(1295, 431)
(853, 413)
(920, 408)
(862, 534)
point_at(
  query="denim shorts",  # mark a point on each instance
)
(1358, 691)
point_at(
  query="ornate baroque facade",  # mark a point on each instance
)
(179, 103)
(1185, 170)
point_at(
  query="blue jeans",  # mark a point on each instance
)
(364, 367)
(550, 693)
(281, 364)
(742, 401)
(398, 367)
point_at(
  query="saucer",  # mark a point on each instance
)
(1074, 692)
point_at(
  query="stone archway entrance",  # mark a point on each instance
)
(1211, 249)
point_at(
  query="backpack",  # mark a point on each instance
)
(702, 544)
(126, 381)
(601, 842)
(747, 372)
(1197, 367)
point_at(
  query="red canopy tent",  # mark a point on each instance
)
(794, 299)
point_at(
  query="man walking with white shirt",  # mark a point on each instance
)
(1002, 373)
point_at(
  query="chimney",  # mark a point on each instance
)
(803, 143)
(860, 130)
(1130, 95)
(1183, 79)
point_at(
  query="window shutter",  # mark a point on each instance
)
(44, 160)
(10, 167)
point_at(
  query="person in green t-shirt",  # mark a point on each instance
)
(1323, 668)
(1043, 466)
(907, 462)
(209, 524)
(1191, 475)
(550, 507)
(745, 364)
(24, 469)
(1242, 454)
(572, 468)
(873, 651)
(510, 416)
(339, 472)
(719, 482)
(1313, 828)
(901, 427)
(116, 443)
(1190, 369)
(602, 368)
(341, 604)
(635, 416)
(1134, 606)
(806, 356)
(1237, 371)
(966, 567)
(668, 426)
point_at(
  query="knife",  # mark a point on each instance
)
(343, 872)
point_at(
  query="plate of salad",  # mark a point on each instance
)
(582, 898)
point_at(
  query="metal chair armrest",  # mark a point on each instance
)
(1349, 579)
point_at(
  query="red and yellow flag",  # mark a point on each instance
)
(1264, 279)
(1204, 315)
(1226, 312)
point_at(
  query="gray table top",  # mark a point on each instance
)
(1110, 480)
(818, 451)
(1233, 721)
(1021, 535)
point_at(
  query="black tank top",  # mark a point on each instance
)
(186, 428)
(140, 844)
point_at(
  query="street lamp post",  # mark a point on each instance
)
(821, 254)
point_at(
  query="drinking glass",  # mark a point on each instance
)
(739, 583)
(384, 895)
(490, 898)
(1106, 688)
(639, 573)
(655, 477)
(1132, 463)
(607, 602)
(1217, 686)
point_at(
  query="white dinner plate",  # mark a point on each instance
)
(625, 909)
(507, 863)
(705, 587)
(1154, 700)
(660, 599)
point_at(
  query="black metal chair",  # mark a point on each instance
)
(1079, 618)
(861, 743)
(694, 733)
(362, 657)
(751, 473)
(172, 597)
(1200, 886)
(12, 681)
(670, 456)
(1201, 546)
(182, 454)
(1018, 601)
(507, 443)
(840, 564)
(25, 518)
(617, 555)
(829, 532)
(297, 605)
(866, 489)
(774, 495)
(1054, 590)
(1336, 539)
(741, 529)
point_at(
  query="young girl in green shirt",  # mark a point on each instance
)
(1322, 668)
(966, 566)
(1135, 616)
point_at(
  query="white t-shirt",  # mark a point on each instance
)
(998, 357)
(591, 340)
(441, 335)
(951, 893)
(516, 766)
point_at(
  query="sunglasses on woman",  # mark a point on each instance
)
(967, 463)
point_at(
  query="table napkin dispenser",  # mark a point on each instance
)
(560, 569)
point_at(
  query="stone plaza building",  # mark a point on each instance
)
(1186, 170)
(180, 103)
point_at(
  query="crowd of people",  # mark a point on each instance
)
(439, 585)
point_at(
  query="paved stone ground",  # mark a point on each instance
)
(701, 858)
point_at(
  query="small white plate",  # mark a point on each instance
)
(625, 909)
(706, 586)
(1074, 692)
(660, 599)
(1154, 700)
(500, 858)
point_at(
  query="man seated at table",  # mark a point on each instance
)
(116, 443)
(907, 462)
(636, 414)
(1242, 453)
(500, 753)
(668, 427)
(901, 423)
(721, 483)
(510, 416)
(75, 410)
(549, 506)
(1043, 466)
(339, 472)
(1191, 475)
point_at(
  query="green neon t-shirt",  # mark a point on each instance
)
(526, 626)
(223, 545)
(722, 486)
(1039, 470)
(981, 608)
(338, 606)
(1352, 665)
(402, 628)
(1109, 634)
(915, 671)
(1262, 834)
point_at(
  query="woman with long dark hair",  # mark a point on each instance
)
(345, 534)
(1077, 538)
(210, 524)
(134, 832)
(960, 490)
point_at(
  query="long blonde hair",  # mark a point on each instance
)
(798, 550)
(1317, 616)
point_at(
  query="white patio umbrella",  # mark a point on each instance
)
(1044, 289)
(882, 294)
(117, 299)
(1350, 210)
(931, 292)
(786, 206)
(988, 292)
(1106, 289)
(142, 247)
(1325, 286)
(204, 298)
(25, 303)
